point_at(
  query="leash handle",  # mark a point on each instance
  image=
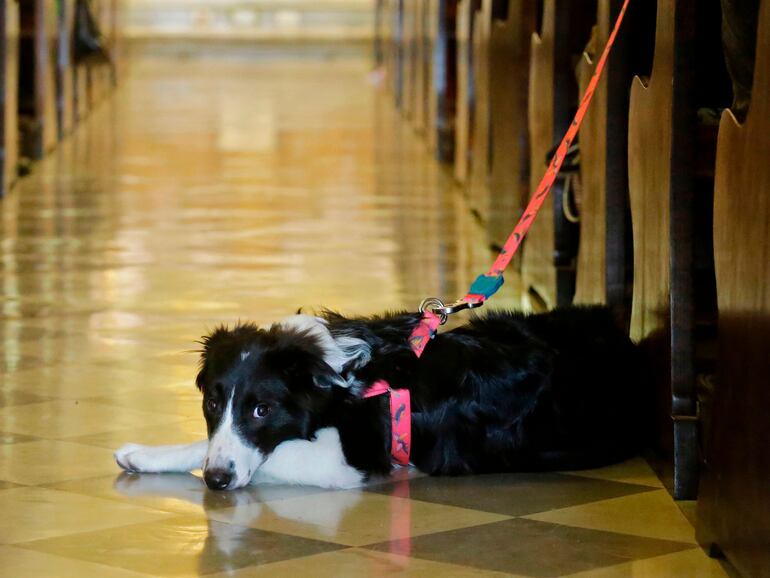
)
(487, 285)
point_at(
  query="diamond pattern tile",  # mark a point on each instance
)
(36, 513)
(46, 461)
(175, 432)
(14, 438)
(359, 562)
(29, 564)
(10, 396)
(344, 517)
(687, 564)
(648, 515)
(181, 546)
(66, 418)
(634, 471)
(531, 548)
(513, 494)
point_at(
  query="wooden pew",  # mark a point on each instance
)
(37, 85)
(509, 48)
(478, 167)
(442, 15)
(422, 63)
(734, 502)
(409, 57)
(605, 256)
(661, 175)
(99, 74)
(548, 270)
(466, 12)
(9, 75)
(393, 47)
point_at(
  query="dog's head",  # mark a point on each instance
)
(265, 386)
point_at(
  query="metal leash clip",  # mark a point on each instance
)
(444, 310)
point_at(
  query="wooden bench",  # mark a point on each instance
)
(479, 128)
(466, 13)
(605, 256)
(548, 268)
(734, 503)
(510, 39)
(415, 62)
(393, 48)
(9, 75)
(671, 172)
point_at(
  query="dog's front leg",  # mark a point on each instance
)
(158, 459)
(318, 462)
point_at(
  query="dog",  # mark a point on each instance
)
(292, 403)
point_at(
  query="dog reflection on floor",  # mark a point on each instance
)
(231, 515)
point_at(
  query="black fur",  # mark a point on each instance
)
(506, 392)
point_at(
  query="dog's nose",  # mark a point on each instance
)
(217, 479)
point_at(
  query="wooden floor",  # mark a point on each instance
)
(204, 192)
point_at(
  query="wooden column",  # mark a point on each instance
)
(661, 172)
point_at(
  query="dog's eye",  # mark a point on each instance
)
(261, 410)
(211, 404)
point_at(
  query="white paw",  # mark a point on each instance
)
(344, 479)
(132, 457)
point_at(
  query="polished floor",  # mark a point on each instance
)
(208, 191)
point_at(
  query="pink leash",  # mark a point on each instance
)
(434, 311)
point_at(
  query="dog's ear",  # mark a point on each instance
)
(221, 346)
(325, 377)
(303, 364)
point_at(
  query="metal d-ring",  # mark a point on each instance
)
(435, 306)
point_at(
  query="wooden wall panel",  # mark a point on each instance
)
(9, 74)
(734, 505)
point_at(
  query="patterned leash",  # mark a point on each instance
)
(434, 311)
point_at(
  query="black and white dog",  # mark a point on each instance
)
(507, 392)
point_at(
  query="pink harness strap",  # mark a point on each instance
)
(400, 419)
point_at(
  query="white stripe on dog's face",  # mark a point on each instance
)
(229, 453)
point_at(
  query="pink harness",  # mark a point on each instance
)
(400, 419)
